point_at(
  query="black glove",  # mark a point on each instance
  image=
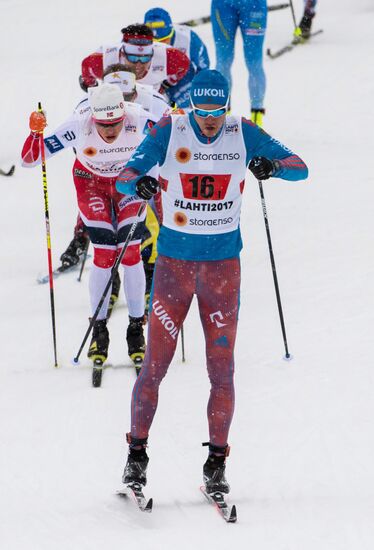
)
(262, 168)
(146, 187)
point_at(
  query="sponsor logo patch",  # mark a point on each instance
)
(126, 201)
(159, 311)
(82, 174)
(180, 219)
(231, 129)
(213, 222)
(53, 144)
(90, 151)
(216, 156)
(216, 318)
(210, 92)
(69, 136)
(183, 155)
(148, 127)
(130, 128)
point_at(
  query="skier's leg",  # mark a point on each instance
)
(253, 28)
(225, 20)
(173, 288)
(217, 289)
(95, 208)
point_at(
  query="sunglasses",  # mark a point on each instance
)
(204, 113)
(138, 58)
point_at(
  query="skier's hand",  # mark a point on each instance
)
(262, 168)
(37, 122)
(146, 187)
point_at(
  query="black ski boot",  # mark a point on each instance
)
(98, 350)
(305, 25)
(74, 251)
(137, 461)
(135, 340)
(214, 470)
(116, 286)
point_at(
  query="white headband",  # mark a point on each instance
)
(125, 80)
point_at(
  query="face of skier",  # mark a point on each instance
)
(140, 67)
(209, 125)
(109, 132)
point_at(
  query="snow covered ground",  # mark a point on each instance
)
(301, 467)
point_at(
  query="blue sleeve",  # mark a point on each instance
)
(259, 144)
(198, 53)
(150, 152)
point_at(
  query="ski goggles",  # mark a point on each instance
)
(138, 58)
(215, 113)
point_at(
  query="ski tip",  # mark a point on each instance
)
(149, 506)
(233, 516)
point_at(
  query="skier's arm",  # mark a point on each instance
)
(258, 143)
(64, 136)
(151, 151)
(92, 69)
(199, 53)
(177, 65)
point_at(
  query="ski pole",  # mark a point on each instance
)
(83, 260)
(287, 356)
(206, 18)
(182, 342)
(48, 235)
(133, 227)
(293, 14)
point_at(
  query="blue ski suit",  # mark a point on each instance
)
(251, 16)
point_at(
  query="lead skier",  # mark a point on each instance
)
(203, 157)
(305, 26)
(251, 17)
(104, 133)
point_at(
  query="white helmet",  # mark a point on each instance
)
(106, 102)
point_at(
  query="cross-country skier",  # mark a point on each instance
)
(203, 157)
(305, 25)
(151, 101)
(184, 39)
(104, 136)
(156, 64)
(251, 17)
